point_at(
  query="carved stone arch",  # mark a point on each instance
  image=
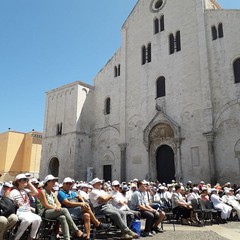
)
(160, 128)
(223, 109)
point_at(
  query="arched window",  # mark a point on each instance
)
(214, 33)
(149, 53)
(156, 25)
(162, 23)
(178, 41)
(160, 87)
(107, 106)
(171, 44)
(143, 55)
(220, 30)
(236, 69)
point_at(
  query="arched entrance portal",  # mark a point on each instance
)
(53, 167)
(165, 164)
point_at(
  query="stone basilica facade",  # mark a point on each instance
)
(165, 106)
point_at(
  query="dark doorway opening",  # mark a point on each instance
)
(165, 164)
(107, 172)
(54, 167)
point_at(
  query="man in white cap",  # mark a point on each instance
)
(77, 207)
(101, 203)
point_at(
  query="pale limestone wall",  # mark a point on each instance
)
(64, 105)
(225, 93)
(201, 100)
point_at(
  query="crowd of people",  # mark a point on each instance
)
(122, 202)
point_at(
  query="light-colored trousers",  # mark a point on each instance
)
(7, 223)
(28, 218)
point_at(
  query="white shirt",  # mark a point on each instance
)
(117, 198)
(83, 194)
(95, 194)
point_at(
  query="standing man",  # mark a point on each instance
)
(153, 217)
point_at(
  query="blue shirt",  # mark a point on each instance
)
(70, 196)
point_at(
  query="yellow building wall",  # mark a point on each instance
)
(19, 153)
(3, 151)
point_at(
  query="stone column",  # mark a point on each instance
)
(123, 147)
(211, 157)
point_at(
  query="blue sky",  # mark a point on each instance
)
(48, 43)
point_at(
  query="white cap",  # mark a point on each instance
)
(7, 184)
(95, 180)
(195, 189)
(74, 187)
(115, 182)
(83, 185)
(49, 178)
(28, 174)
(145, 182)
(68, 179)
(20, 176)
(133, 185)
(34, 180)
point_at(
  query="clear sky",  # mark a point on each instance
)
(45, 44)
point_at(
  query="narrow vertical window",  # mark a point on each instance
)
(149, 53)
(220, 30)
(214, 33)
(171, 44)
(107, 106)
(143, 55)
(115, 71)
(236, 70)
(118, 70)
(156, 25)
(59, 129)
(160, 85)
(162, 23)
(178, 41)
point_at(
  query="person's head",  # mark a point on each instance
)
(49, 181)
(96, 183)
(67, 184)
(115, 185)
(21, 181)
(141, 184)
(178, 188)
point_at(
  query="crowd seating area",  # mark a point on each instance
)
(193, 204)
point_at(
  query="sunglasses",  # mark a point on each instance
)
(116, 186)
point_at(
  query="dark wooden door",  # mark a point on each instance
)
(165, 164)
(107, 172)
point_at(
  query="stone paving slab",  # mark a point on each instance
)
(229, 231)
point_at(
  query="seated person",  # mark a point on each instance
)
(7, 221)
(231, 200)
(100, 201)
(153, 217)
(50, 208)
(219, 204)
(120, 202)
(77, 207)
(180, 206)
(23, 188)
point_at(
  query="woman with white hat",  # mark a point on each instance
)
(50, 208)
(19, 194)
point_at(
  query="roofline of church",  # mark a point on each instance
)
(69, 85)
